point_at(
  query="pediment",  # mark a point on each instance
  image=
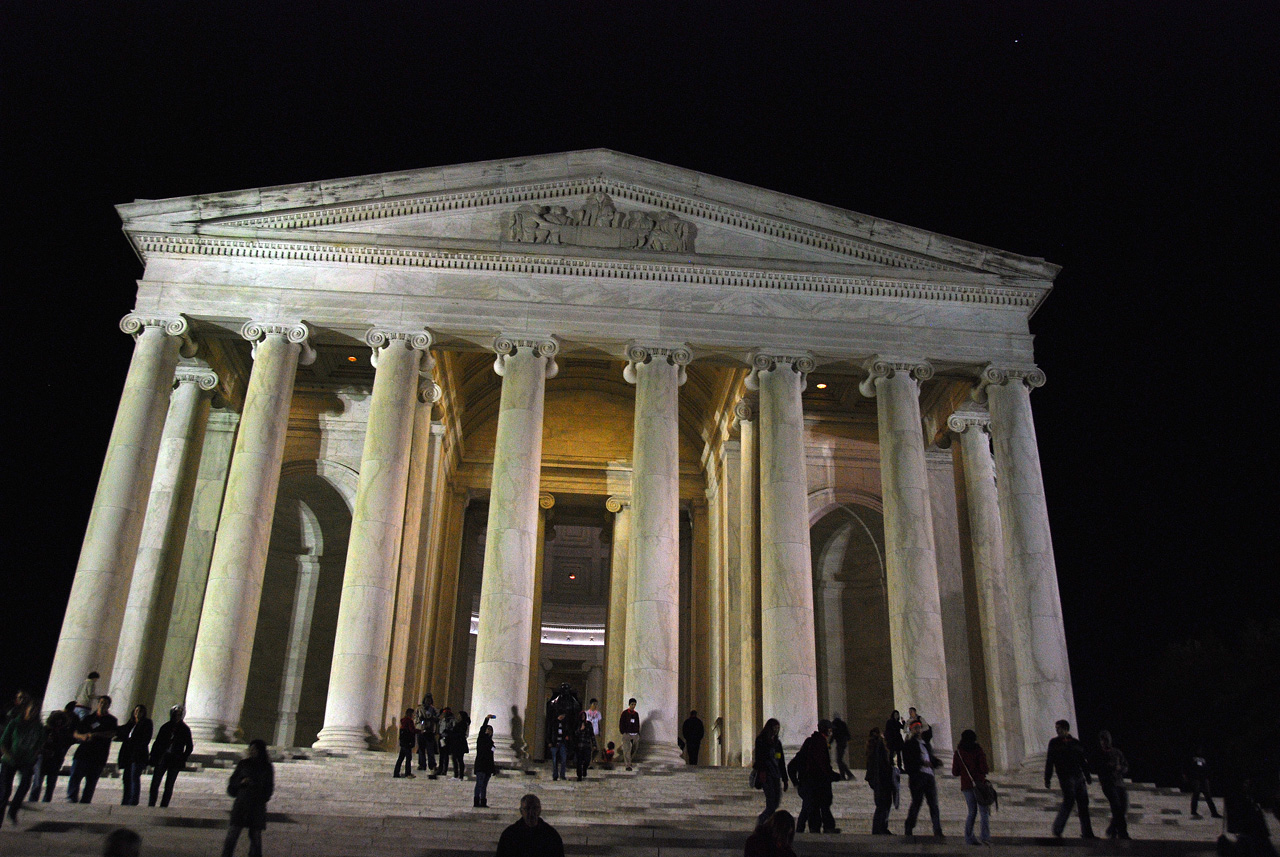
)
(599, 201)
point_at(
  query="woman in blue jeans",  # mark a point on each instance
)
(970, 765)
(770, 765)
(484, 766)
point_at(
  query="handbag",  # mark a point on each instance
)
(983, 792)
(756, 779)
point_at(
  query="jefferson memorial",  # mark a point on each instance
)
(482, 429)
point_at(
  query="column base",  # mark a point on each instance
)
(204, 729)
(660, 756)
(1033, 762)
(345, 739)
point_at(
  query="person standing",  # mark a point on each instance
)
(558, 736)
(57, 740)
(1198, 776)
(596, 717)
(95, 734)
(1066, 757)
(443, 733)
(770, 767)
(20, 744)
(251, 785)
(1111, 777)
(629, 726)
(408, 737)
(458, 747)
(530, 836)
(893, 737)
(135, 739)
(841, 735)
(693, 732)
(880, 777)
(485, 766)
(584, 744)
(970, 764)
(86, 696)
(169, 754)
(813, 764)
(427, 720)
(921, 781)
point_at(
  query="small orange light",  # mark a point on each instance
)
(351, 360)
(822, 386)
(573, 577)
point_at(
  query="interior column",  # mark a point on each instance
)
(745, 413)
(501, 683)
(224, 643)
(915, 610)
(614, 700)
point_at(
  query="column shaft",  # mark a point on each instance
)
(653, 599)
(788, 654)
(615, 635)
(915, 611)
(95, 608)
(501, 684)
(730, 513)
(749, 583)
(1040, 646)
(224, 643)
(357, 678)
(138, 655)
(997, 628)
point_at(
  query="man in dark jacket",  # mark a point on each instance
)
(530, 836)
(917, 754)
(95, 733)
(1066, 757)
(815, 776)
(880, 777)
(693, 732)
(169, 754)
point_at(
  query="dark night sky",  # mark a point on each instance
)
(1134, 144)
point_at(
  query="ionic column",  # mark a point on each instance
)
(788, 650)
(138, 654)
(652, 656)
(532, 743)
(972, 428)
(224, 643)
(501, 683)
(1040, 645)
(828, 601)
(745, 413)
(915, 611)
(95, 608)
(614, 700)
(358, 675)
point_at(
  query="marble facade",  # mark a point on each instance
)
(476, 430)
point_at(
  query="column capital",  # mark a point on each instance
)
(299, 333)
(967, 418)
(677, 355)
(617, 503)
(546, 500)
(887, 367)
(746, 410)
(429, 392)
(205, 379)
(134, 323)
(507, 344)
(767, 361)
(415, 340)
(992, 375)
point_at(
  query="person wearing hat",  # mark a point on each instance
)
(169, 753)
(815, 776)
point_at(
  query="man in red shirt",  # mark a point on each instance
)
(629, 726)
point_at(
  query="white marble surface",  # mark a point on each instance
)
(139, 652)
(749, 578)
(357, 678)
(224, 643)
(501, 683)
(653, 593)
(788, 668)
(996, 625)
(615, 698)
(99, 590)
(1044, 674)
(915, 613)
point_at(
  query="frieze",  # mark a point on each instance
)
(598, 223)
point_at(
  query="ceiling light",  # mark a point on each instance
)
(822, 386)
(351, 359)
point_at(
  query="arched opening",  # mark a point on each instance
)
(851, 616)
(298, 616)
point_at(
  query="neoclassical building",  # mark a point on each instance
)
(481, 429)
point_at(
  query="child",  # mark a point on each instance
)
(609, 752)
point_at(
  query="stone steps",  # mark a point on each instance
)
(352, 806)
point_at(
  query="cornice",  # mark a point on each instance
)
(428, 203)
(571, 266)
